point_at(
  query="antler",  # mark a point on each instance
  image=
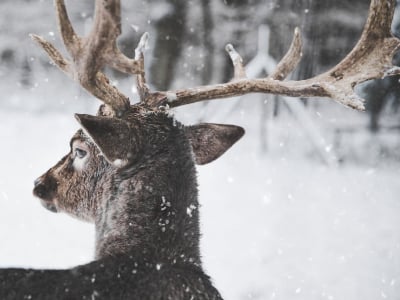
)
(90, 54)
(371, 58)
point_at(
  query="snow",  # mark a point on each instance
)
(143, 44)
(190, 209)
(302, 226)
(171, 97)
(276, 226)
(119, 162)
(160, 10)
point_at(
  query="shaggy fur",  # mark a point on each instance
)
(135, 178)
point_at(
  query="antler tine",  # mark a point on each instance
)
(371, 58)
(237, 61)
(292, 58)
(53, 53)
(104, 36)
(70, 38)
(142, 87)
(90, 54)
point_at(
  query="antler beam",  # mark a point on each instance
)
(371, 58)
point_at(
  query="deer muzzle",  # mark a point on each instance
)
(45, 188)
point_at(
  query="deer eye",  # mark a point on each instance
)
(79, 153)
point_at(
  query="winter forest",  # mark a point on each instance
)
(305, 206)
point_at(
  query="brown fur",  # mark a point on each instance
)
(135, 178)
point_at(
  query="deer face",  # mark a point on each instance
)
(106, 145)
(73, 185)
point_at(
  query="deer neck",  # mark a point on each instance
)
(152, 210)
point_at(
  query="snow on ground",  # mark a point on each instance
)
(275, 226)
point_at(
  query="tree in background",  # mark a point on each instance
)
(170, 31)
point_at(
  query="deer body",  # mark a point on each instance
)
(145, 211)
(123, 277)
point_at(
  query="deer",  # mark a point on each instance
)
(131, 168)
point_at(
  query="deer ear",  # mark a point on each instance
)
(210, 141)
(110, 135)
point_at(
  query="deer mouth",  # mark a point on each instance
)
(49, 205)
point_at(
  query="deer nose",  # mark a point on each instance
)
(45, 187)
(37, 182)
(40, 189)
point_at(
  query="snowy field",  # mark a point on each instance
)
(279, 225)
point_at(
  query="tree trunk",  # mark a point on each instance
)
(168, 46)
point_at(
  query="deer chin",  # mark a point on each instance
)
(50, 205)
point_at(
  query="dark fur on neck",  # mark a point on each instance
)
(153, 207)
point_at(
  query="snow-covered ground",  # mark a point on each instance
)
(282, 225)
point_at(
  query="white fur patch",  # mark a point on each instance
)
(171, 97)
(120, 163)
(79, 163)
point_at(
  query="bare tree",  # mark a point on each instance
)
(170, 30)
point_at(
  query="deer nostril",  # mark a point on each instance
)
(37, 182)
(39, 190)
(45, 188)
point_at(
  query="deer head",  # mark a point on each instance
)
(106, 145)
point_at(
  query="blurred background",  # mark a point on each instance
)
(305, 206)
